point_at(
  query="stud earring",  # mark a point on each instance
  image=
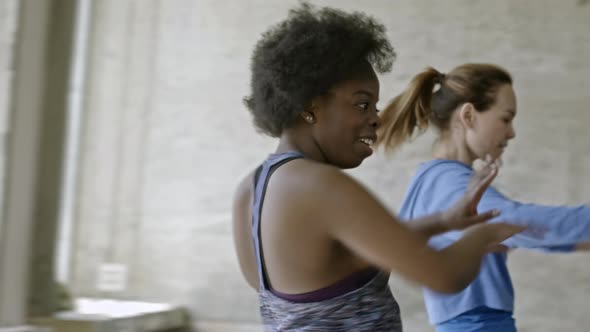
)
(309, 118)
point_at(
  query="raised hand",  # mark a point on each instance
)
(464, 213)
(494, 234)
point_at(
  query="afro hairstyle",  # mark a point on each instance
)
(304, 56)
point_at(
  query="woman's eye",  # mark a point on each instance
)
(363, 106)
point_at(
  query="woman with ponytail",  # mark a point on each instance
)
(473, 108)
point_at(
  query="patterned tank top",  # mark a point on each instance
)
(369, 307)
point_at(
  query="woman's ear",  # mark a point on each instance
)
(467, 115)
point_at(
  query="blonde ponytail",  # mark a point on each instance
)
(408, 111)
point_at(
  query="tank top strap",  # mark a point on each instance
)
(261, 179)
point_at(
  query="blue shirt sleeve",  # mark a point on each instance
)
(551, 228)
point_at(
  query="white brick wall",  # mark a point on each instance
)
(167, 138)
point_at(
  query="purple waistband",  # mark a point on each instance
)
(352, 282)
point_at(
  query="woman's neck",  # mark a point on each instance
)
(447, 149)
(303, 144)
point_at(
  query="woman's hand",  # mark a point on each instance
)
(464, 213)
(494, 234)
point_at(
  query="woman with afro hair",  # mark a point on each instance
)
(314, 243)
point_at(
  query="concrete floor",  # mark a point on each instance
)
(226, 327)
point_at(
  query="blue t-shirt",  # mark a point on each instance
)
(438, 184)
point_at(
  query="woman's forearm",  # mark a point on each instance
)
(430, 225)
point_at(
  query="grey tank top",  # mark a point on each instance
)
(370, 307)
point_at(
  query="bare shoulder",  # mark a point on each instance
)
(303, 191)
(241, 219)
(317, 176)
(321, 189)
(333, 183)
(245, 187)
